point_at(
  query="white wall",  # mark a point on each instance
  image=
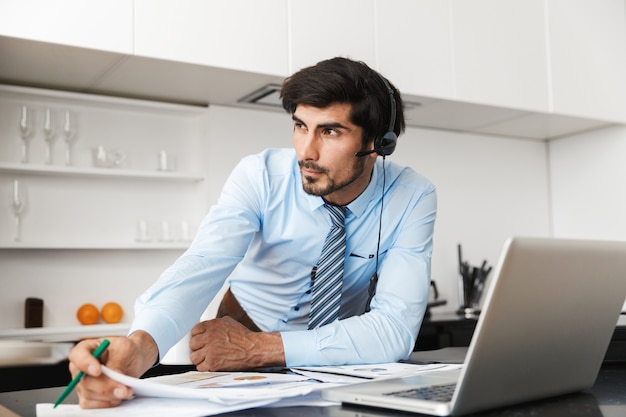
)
(234, 133)
(65, 279)
(489, 188)
(588, 182)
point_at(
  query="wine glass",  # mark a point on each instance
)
(69, 131)
(18, 203)
(26, 131)
(49, 135)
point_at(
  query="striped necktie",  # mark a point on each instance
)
(328, 278)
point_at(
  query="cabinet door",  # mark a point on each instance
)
(500, 53)
(413, 44)
(97, 24)
(588, 58)
(246, 35)
(322, 29)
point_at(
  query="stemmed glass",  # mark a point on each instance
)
(18, 202)
(49, 135)
(26, 131)
(69, 130)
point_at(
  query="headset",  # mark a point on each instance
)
(385, 145)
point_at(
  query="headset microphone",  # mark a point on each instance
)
(363, 153)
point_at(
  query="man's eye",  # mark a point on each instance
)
(331, 132)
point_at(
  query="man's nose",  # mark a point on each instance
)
(310, 147)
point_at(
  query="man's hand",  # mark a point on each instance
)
(131, 355)
(225, 344)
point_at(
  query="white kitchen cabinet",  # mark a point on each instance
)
(96, 24)
(323, 29)
(535, 62)
(500, 55)
(247, 35)
(414, 47)
(84, 206)
(588, 58)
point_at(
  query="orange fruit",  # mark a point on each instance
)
(112, 312)
(87, 314)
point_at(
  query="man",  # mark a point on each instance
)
(267, 232)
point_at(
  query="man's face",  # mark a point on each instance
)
(325, 142)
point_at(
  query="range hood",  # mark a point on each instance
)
(268, 95)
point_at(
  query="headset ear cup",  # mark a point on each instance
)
(386, 144)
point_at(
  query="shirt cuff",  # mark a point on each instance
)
(162, 334)
(297, 347)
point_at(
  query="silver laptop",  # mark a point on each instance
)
(548, 316)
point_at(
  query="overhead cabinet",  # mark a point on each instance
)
(247, 35)
(548, 56)
(413, 44)
(526, 68)
(96, 24)
(500, 53)
(323, 29)
(588, 58)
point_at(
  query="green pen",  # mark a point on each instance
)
(96, 354)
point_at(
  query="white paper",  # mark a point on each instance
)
(220, 387)
(149, 407)
(313, 399)
(376, 371)
(329, 377)
(195, 394)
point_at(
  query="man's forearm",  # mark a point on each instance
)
(224, 344)
(269, 351)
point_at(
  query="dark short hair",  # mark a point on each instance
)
(341, 80)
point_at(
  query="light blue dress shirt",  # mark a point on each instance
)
(265, 234)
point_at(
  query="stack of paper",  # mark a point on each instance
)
(194, 394)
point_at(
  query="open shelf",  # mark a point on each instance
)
(95, 246)
(66, 333)
(62, 171)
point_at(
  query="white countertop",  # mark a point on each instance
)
(66, 334)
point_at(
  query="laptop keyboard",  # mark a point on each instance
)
(442, 393)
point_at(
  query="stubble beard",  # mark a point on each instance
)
(312, 185)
